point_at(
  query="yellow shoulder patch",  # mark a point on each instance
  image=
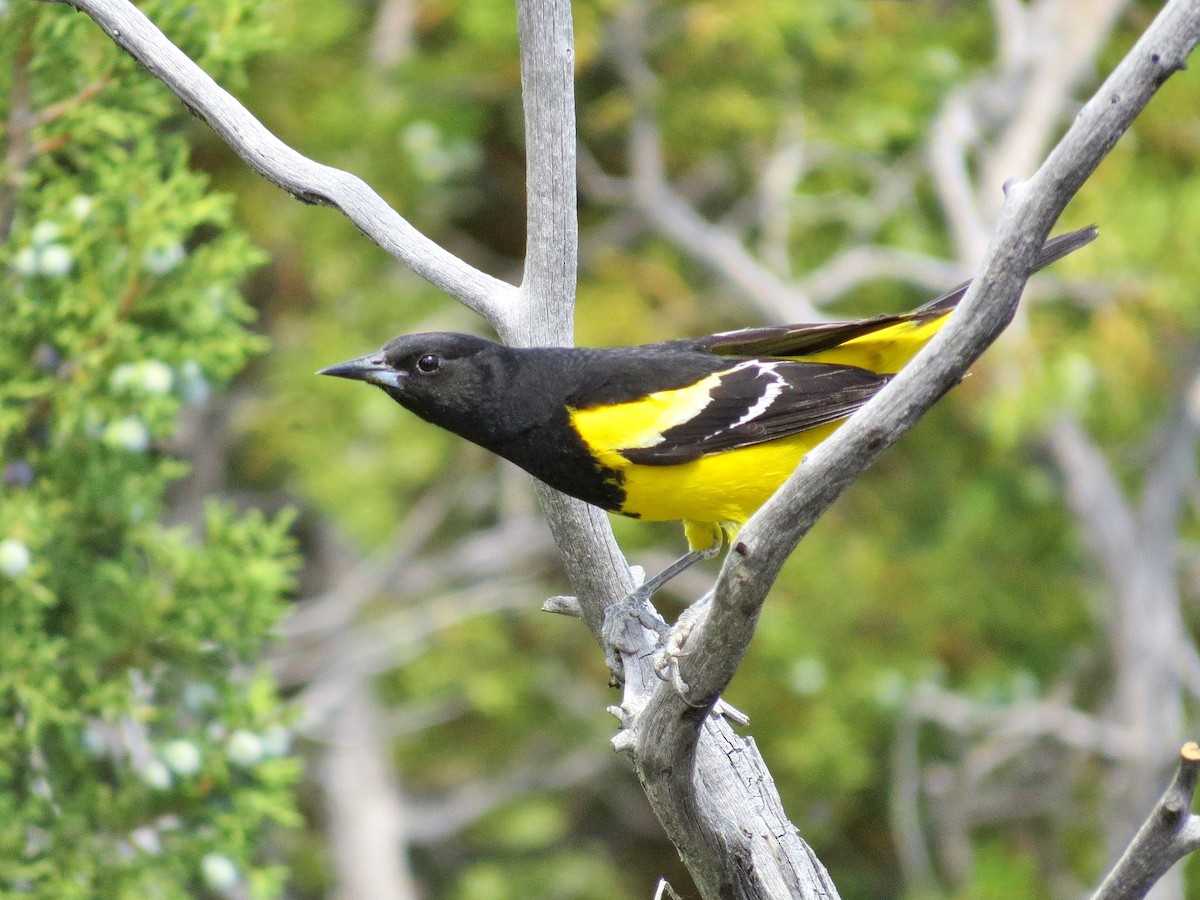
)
(641, 423)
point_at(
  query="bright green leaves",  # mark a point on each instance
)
(143, 752)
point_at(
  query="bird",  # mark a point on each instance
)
(701, 430)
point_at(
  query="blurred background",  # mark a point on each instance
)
(269, 635)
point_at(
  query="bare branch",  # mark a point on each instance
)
(436, 820)
(1049, 44)
(1009, 16)
(339, 606)
(904, 807)
(392, 33)
(1060, 40)
(547, 296)
(860, 265)
(953, 133)
(368, 823)
(1050, 720)
(306, 180)
(1169, 834)
(1095, 497)
(781, 173)
(666, 729)
(1174, 466)
(717, 247)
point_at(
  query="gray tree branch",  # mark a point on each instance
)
(665, 730)
(1095, 497)
(1033, 720)
(1169, 834)
(369, 823)
(304, 179)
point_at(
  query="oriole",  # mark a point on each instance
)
(699, 429)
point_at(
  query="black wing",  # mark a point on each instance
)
(758, 401)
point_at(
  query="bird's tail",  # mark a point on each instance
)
(881, 343)
(1052, 251)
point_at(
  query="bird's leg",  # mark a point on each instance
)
(689, 559)
(636, 607)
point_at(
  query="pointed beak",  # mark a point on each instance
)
(371, 369)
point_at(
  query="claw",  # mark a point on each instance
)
(633, 608)
(666, 660)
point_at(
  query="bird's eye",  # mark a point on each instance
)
(429, 363)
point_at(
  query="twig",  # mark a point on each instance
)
(304, 179)
(1170, 833)
(1095, 496)
(437, 819)
(1047, 719)
(863, 264)
(649, 191)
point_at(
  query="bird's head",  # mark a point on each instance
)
(442, 377)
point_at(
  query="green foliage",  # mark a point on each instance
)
(142, 752)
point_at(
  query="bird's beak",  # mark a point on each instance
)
(371, 369)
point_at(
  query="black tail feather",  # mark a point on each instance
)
(805, 339)
(1052, 251)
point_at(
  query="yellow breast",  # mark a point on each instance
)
(717, 492)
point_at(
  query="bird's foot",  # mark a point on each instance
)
(632, 609)
(666, 659)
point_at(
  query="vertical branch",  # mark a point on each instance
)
(544, 311)
(367, 819)
(755, 852)
(544, 314)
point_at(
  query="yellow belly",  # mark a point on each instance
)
(716, 493)
(721, 487)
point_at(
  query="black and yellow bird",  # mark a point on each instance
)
(700, 429)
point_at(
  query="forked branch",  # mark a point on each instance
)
(304, 179)
(1170, 833)
(708, 786)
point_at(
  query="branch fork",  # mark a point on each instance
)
(1170, 832)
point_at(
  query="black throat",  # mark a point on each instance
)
(516, 407)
